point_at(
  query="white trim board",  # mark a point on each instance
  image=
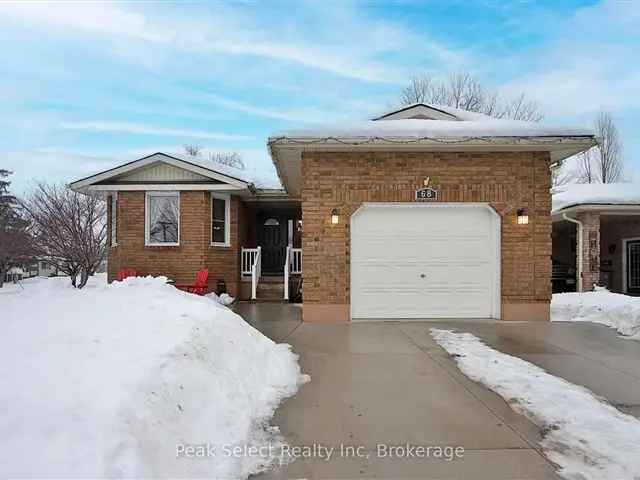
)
(173, 187)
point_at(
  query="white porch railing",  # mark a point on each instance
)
(248, 259)
(296, 261)
(251, 265)
(293, 265)
(286, 273)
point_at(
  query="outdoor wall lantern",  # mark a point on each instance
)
(335, 218)
(523, 216)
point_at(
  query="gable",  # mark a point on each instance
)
(418, 111)
(160, 172)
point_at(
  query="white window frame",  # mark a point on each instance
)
(114, 219)
(625, 287)
(227, 219)
(147, 240)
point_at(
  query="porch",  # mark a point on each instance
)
(597, 247)
(271, 253)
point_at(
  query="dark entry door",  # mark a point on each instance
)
(633, 266)
(273, 240)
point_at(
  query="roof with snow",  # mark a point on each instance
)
(576, 195)
(175, 169)
(438, 121)
(425, 127)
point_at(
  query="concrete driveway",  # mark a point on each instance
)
(389, 383)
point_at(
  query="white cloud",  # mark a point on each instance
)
(589, 66)
(338, 41)
(140, 129)
(106, 18)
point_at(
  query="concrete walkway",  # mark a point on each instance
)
(390, 383)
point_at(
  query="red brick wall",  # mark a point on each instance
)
(507, 181)
(590, 249)
(180, 262)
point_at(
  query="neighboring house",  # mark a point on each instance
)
(37, 268)
(424, 212)
(596, 232)
(15, 274)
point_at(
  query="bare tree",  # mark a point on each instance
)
(586, 170)
(603, 163)
(561, 175)
(609, 161)
(15, 241)
(192, 150)
(419, 90)
(69, 230)
(462, 90)
(231, 159)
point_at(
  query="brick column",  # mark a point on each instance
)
(590, 249)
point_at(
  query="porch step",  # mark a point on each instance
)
(271, 279)
(270, 290)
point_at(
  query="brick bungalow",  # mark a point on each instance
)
(423, 212)
(596, 237)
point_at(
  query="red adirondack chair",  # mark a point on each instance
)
(200, 285)
(127, 272)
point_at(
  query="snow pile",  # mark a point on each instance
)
(595, 194)
(116, 380)
(223, 299)
(621, 312)
(585, 436)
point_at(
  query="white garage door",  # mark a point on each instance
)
(424, 261)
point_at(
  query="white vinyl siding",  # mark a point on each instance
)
(160, 172)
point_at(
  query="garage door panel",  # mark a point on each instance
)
(425, 262)
(402, 305)
(444, 274)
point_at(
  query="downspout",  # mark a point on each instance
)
(579, 247)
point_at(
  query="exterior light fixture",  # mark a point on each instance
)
(523, 216)
(335, 218)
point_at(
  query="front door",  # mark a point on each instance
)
(273, 240)
(633, 266)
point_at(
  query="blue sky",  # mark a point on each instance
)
(86, 85)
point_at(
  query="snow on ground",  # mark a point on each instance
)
(585, 436)
(114, 380)
(595, 194)
(621, 312)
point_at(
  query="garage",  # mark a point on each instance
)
(425, 260)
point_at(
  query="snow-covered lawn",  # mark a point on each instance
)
(585, 436)
(131, 379)
(621, 312)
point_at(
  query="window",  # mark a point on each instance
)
(114, 220)
(220, 216)
(162, 218)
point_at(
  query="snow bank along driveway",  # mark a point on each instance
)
(585, 436)
(115, 380)
(621, 312)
